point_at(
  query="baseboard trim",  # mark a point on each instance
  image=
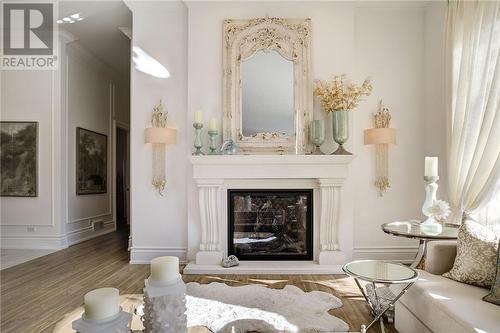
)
(34, 242)
(403, 254)
(143, 255)
(92, 235)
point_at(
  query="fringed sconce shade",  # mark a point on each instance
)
(381, 136)
(159, 136)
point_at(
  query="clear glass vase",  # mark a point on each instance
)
(340, 126)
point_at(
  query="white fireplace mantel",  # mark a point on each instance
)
(214, 174)
(270, 166)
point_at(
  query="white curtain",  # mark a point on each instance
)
(473, 50)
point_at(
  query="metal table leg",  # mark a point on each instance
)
(420, 254)
(376, 307)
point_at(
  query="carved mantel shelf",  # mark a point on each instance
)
(214, 174)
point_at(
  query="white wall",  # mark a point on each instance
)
(35, 222)
(82, 92)
(398, 45)
(159, 222)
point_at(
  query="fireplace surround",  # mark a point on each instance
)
(208, 227)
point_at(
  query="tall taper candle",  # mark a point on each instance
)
(431, 166)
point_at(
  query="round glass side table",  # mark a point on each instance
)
(414, 229)
(381, 272)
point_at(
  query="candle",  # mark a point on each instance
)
(165, 270)
(198, 117)
(101, 303)
(431, 166)
(212, 124)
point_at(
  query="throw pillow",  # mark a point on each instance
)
(476, 258)
(494, 295)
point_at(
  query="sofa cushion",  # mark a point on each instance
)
(494, 295)
(445, 306)
(476, 258)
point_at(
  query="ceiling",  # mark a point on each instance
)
(99, 31)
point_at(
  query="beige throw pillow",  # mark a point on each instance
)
(475, 262)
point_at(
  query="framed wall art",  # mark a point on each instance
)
(19, 160)
(91, 162)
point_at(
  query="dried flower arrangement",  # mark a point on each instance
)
(340, 94)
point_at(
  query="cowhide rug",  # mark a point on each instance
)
(255, 308)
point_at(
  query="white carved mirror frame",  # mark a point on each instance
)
(291, 38)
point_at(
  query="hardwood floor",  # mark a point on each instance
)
(42, 294)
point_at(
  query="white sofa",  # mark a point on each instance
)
(440, 305)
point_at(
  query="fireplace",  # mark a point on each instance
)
(270, 224)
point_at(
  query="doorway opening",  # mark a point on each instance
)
(122, 180)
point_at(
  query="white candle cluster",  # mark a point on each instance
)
(198, 119)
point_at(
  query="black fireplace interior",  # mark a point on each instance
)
(270, 224)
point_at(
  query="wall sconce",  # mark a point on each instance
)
(159, 135)
(381, 136)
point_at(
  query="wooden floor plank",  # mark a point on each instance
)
(37, 295)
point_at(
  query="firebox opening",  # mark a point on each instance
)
(271, 224)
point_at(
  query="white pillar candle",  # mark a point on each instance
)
(198, 117)
(164, 270)
(102, 303)
(212, 124)
(431, 166)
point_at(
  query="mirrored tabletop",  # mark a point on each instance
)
(380, 272)
(412, 229)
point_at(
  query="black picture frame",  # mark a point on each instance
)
(12, 158)
(91, 162)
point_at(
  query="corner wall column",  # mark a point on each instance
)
(330, 195)
(210, 203)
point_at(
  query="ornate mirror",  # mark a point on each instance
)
(267, 84)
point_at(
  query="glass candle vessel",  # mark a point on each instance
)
(317, 135)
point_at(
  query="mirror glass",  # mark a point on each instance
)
(267, 94)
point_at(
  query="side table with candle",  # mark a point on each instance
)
(413, 229)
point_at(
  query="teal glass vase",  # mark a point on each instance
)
(340, 126)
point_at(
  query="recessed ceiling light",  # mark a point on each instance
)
(66, 19)
(72, 21)
(80, 19)
(75, 16)
(59, 21)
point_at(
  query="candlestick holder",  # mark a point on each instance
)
(430, 225)
(198, 143)
(213, 144)
(165, 307)
(118, 323)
